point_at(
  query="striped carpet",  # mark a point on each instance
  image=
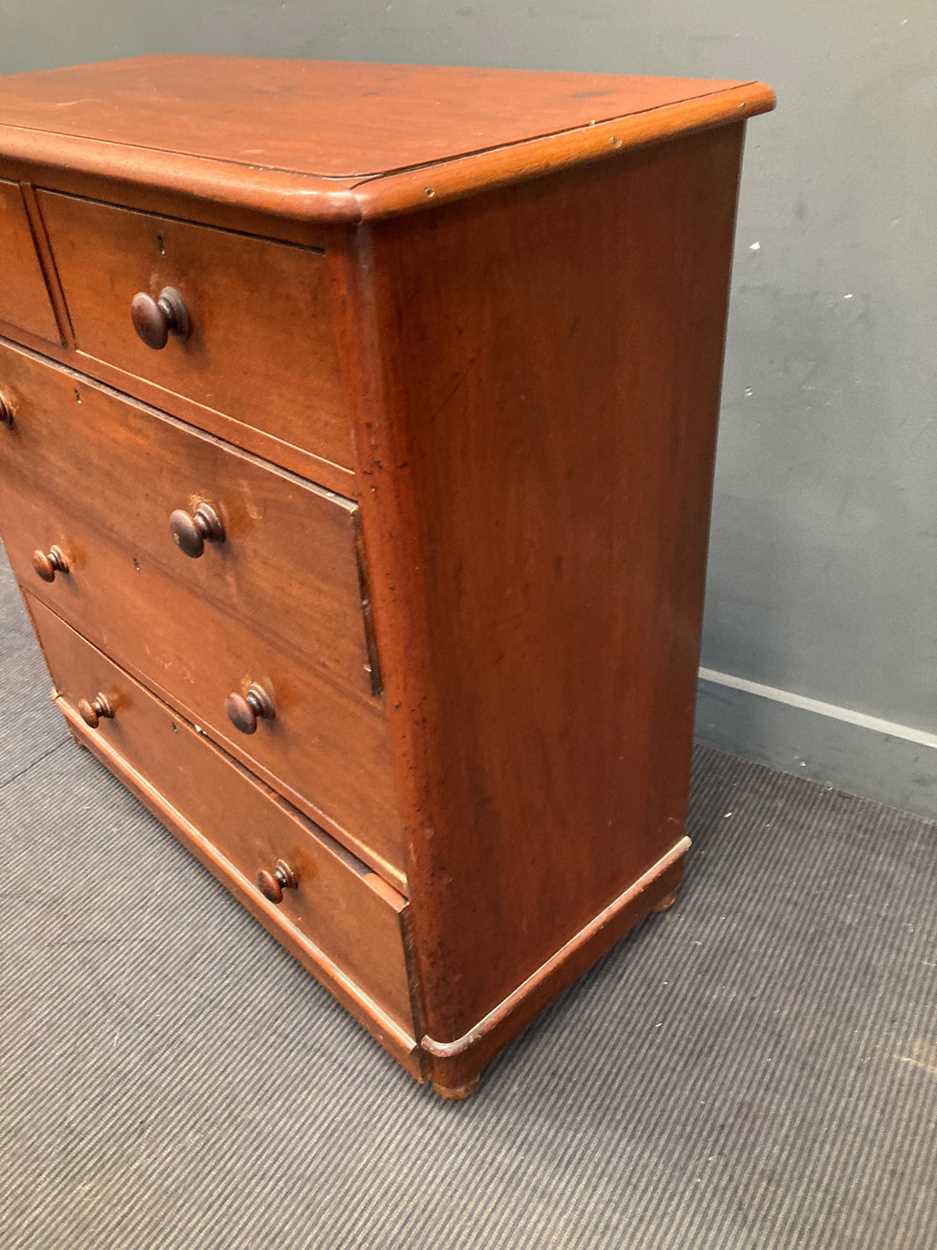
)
(756, 1069)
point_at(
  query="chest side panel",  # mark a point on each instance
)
(540, 466)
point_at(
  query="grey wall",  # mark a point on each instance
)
(823, 579)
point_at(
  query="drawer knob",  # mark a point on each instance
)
(190, 533)
(244, 710)
(48, 563)
(6, 412)
(155, 319)
(272, 884)
(92, 711)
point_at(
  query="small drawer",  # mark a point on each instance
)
(272, 550)
(326, 748)
(24, 297)
(331, 899)
(259, 346)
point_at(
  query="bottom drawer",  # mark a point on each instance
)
(342, 920)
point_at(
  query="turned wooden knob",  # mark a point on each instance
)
(272, 884)
(48, 563)
(155, 319)
(190, 533)
(6, 412)
(94, 710)
(244, 710)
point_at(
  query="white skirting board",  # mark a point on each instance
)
(878, 759)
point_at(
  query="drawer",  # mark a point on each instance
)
(326, 749)
(24, 297)
(261, 347)
(333, 901)
(288, 564)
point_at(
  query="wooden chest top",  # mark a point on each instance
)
(333, 140)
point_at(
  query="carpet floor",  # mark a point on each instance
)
(755, 1069)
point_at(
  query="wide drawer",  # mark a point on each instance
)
(335, 902)
(261, 347)
(327, 747)
(24, 298)
(289, 561)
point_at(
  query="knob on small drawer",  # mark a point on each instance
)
(190, 532)
(48, 563)
(155, 319)
(272, 884)
(93, 711)
(244, 710)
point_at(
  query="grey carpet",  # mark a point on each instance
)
(755, 1069)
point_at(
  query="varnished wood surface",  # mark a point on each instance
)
(298, 137)
(289, 563)
(365, 1009)
(332, 904)
(261, 348)
(24, 298)
(306, 464)
(536, 516)
(358, 914)
(331, 119)
(327, 750)
(515, 389)
(456, 1065)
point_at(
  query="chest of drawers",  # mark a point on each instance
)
(356, 439)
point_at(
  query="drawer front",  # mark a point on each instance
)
(353, 917)
(326, 748)
(261, 346)
(288, 563)
(24, 298)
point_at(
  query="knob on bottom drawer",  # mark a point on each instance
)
(48, 563)
(272, 884)
(93, 711)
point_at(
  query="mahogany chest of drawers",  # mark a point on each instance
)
(356, 441)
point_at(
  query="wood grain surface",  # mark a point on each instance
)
(537, 509)
(289, 563)
(297, 138)
(333, 903)
(327, 750)
(261, 347)
(488, 309)
(24, 298)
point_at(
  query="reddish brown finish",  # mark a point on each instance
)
(154, 319)
(47, 563)
(190, 533)
(454, 1066)
(539, 561)
(260, 348)
(271, 884)
(383, 1027)
(333, 903)
(328, 748)
(296, 459)
(93, 711)
(519, 384)
(335, 140)
(289, 564)
(245, 710)
(24, 299)
(330, 119)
